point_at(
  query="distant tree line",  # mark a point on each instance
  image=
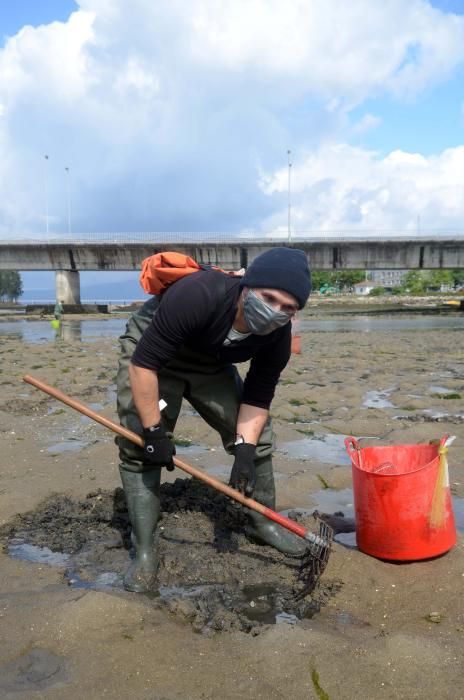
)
(340, 280)
(11, 286)
(419, 281)
(414, 281)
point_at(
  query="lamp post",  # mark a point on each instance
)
(289, 153)
(68, 200)
(46, 193)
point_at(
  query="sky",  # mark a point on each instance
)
(179, 116)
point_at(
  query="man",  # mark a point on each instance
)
(58, 310)
(184, 344)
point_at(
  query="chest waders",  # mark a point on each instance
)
(214, 390)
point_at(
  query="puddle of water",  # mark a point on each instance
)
(111, 394)
(191, 449)
(107, 579)
(378, 399)
(304, 422)
(443, 374)
(328, 449)
(257, 603)
(260, 604)
(334, 501)
(70, 330)
(285, 618)
(437, 413)
(193, 591)
(38, 555)
(220, 471)
(458, 508)
(331, 501)
(95, 407)
(33, 672)
(368, 324)
(70, 446)
(300, 511)
(440, 390)
(433, 413)
(75, 581)
(347, 539)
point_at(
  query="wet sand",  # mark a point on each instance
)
(384, 630)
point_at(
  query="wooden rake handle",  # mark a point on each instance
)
(197, 473)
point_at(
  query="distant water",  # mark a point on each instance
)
(366, 324)
(129, 299)
(89, 330)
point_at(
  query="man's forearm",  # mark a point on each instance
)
(251, 421)
(145, 392)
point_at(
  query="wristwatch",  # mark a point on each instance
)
(239, 439)
(153, 428)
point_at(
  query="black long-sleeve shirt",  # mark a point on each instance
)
(197, 312)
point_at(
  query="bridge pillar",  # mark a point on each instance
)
(68, 286)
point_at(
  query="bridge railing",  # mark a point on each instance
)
(244, 237)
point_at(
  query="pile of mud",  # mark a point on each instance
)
(210, 575)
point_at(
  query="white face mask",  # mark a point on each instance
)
(261, 318)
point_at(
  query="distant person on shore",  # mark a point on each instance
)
(58, 311)
(184, 344)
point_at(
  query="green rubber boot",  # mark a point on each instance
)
(143, 503)
(260, 529)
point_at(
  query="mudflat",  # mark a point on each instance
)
(226, 622)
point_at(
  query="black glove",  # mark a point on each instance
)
(158, 449)
(243, 474)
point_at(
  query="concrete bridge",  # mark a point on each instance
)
(325, 252)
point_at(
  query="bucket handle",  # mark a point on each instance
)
(353, 449)
(383, 467)
(445, 441)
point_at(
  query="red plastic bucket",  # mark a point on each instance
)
(402, 500)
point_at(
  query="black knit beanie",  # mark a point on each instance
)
(281, 268)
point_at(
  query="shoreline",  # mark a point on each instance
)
(346, 303)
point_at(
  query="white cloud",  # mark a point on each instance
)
(366, 123)
(340, 187)
(48, 61)
(348, 49)
(167, 113)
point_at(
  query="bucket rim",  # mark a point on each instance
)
(354, 454)
(393, 476)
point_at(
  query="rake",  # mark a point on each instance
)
(319, 544)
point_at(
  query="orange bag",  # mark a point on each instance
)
(162, 269)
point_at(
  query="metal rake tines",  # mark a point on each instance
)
(315, 561)
(320, 549)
